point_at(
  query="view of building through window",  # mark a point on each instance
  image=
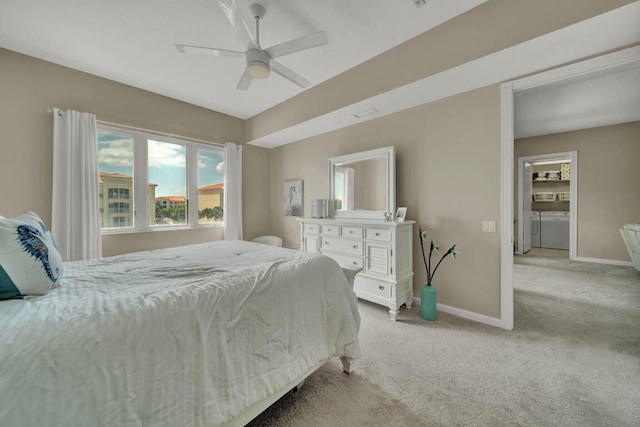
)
(210, 185)
(167, 188)
(168, 170)
(115, 179)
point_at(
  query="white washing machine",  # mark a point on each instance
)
(554, 229)
(535, 229)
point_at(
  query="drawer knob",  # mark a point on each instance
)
(326, 243)
(377, 234)
(381, 287)
(355, 262)
(350, 231)
(355, 246)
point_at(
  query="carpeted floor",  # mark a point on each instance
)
(572, 359)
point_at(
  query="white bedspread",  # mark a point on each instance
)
(179, 337)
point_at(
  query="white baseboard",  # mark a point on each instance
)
(476, 317)
(604, 261)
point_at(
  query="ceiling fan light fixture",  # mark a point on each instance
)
(258, 70)
(258, 64)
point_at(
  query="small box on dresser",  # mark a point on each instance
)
(383, 250)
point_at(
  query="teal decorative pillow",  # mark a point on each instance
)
(29, 259)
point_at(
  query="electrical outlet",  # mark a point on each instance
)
(488, 226)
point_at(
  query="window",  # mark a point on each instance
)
(118, 193)
(210, 185)
(167, 165)
(115, 177)
(118, 208)
(119, 221)
(344, 188)
(151, 182)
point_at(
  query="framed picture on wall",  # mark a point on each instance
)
(401, 214)
(293, 198)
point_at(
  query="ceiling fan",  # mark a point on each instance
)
(260, 62)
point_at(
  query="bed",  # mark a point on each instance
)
(203, 335)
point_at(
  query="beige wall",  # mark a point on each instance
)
(29, 86)
(448, 175)
(608, 183)
(256, 191)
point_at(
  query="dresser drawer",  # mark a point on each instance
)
(331, 230)
(355, 232)
(372, 288)
(311, 228)
(351, 261)
(383, 234)
(352, 247)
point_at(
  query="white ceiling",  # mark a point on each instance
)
(605, 98)
(132, 41)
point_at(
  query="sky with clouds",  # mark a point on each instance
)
(167, 163)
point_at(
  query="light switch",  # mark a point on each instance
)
(489, 226)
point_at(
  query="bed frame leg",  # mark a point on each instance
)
(298, 387)
(347, 364)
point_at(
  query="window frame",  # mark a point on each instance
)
(141, 179)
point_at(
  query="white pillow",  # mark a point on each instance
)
(29, 259)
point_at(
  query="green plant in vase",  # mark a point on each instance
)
(428, 295)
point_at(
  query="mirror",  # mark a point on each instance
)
(363, 185)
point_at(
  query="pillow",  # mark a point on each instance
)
(29, 259)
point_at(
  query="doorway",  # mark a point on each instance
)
(605, 63)
(547, 209)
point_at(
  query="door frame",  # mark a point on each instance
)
(611, 61)
(573, 197)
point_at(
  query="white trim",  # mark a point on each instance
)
(388, 153)
(156, 228)
(621, 58)
(604, 261)
(121, 127)
(465, 314)
(519, 248)
(192, 183)
(506, 208)
(573, 197)
(141, 178)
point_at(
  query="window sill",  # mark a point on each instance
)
(131, 230)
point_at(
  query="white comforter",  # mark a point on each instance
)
(179, 337)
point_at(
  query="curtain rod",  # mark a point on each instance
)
(50, 110)
(102, 122)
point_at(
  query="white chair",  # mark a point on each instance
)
(268, 240)
(631, 236)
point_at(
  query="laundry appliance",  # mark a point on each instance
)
(554, 229)
(535, 229)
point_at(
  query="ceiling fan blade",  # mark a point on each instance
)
(296, 45)
(233, 14)
(201, 50)
(289, 74)
(245, 81)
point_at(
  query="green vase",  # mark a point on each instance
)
(428, 309)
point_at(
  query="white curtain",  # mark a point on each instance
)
(75, 212)
(232, 192)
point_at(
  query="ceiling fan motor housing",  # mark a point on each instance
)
(258, 63)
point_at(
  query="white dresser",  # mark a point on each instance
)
(383, 250)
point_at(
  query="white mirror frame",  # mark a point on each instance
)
(388, 153)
